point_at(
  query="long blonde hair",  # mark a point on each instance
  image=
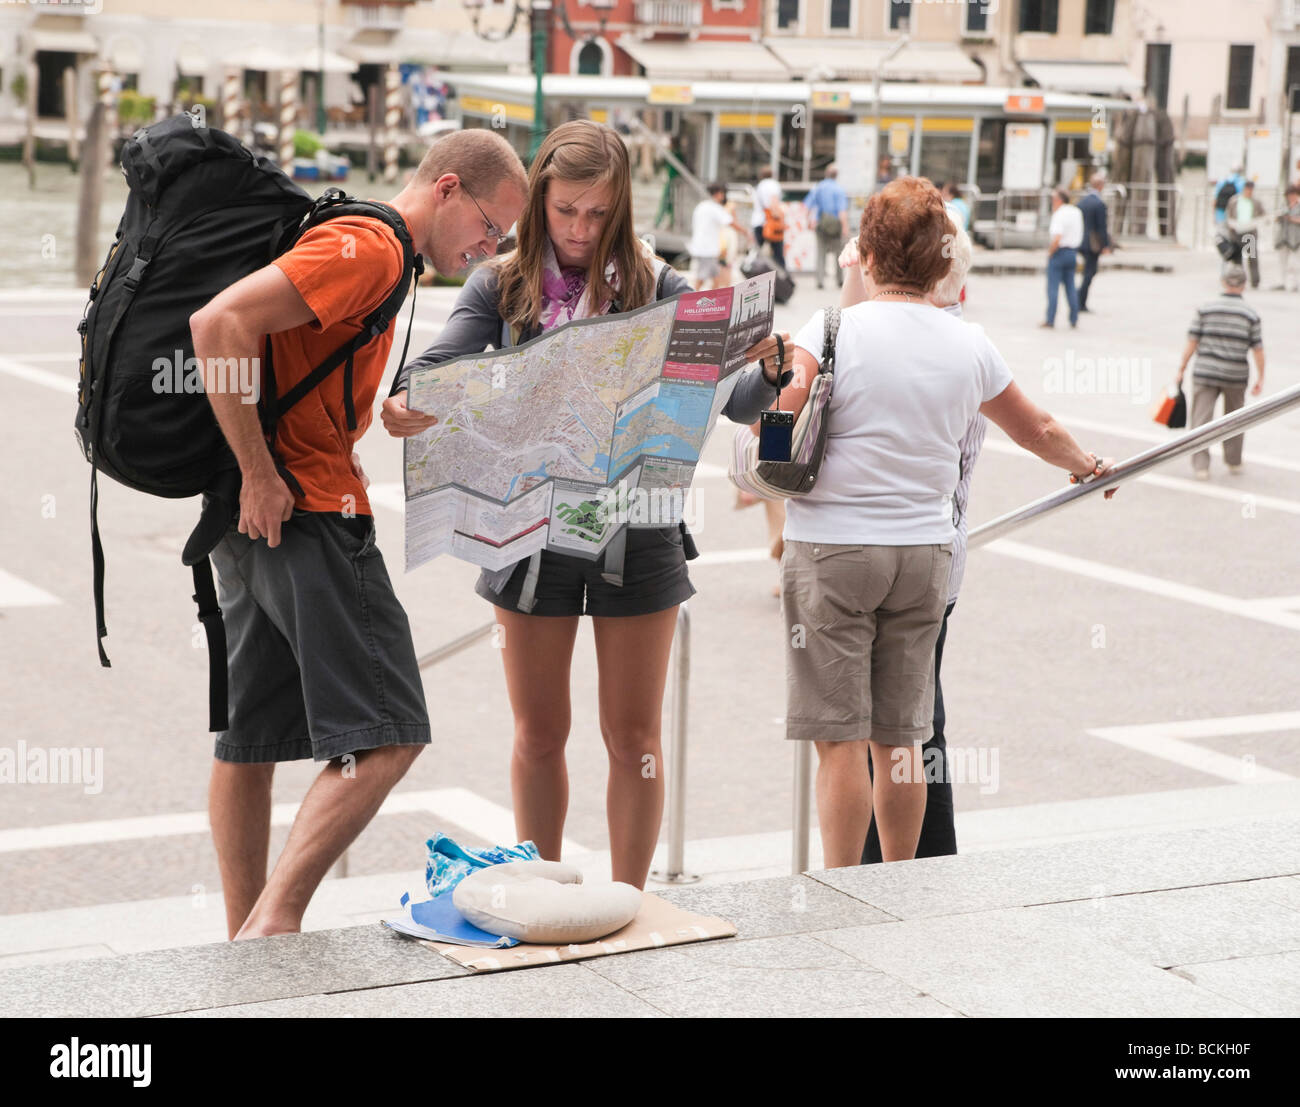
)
(577, 152)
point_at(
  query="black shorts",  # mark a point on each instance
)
(654, 579)
(320, 652)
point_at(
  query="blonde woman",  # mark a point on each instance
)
(578, 257)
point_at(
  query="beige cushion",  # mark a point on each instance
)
(544, 902)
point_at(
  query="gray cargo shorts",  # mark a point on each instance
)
(320, 652)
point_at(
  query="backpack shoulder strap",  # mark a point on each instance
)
(333, 205)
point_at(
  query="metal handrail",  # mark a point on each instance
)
(675, 870)
(1214, 431)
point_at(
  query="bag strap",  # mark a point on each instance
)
(214, 628)
(830, 336)
(97, 563)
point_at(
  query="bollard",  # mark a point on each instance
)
(230, 103)
(70, 113)
(288, 117)
(392, 119)
(674, 872)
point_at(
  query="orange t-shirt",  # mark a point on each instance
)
(343, 269)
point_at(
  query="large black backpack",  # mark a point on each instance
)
(202, 213)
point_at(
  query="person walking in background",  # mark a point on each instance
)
(767, 203)
(708, 222)
(868, 550)
(1066, 233)
(1096, 235)
(1243, 215)
(828, 211)
(1286, 237)
(952, 200)
(1221, 335)
(1225, 191)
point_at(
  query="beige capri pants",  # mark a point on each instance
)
(861, 624)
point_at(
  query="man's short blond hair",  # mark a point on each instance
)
(481, 158)
(948, 290)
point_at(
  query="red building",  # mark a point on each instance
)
(669, 39)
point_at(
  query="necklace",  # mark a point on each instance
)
(892, 292)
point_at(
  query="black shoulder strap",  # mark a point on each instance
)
(333, 205)
(214, 628)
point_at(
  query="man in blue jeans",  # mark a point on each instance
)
(1066, 233)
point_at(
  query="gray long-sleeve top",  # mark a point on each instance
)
(475, 324)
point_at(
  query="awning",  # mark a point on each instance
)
(837, 59)
(312, 60)
(191, 61)
(466, 50)
(372, 47)
(261, 57)
(702, 61)
(1104, 78)
(124, 55)
(54, 33)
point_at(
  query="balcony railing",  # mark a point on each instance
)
(668, 16)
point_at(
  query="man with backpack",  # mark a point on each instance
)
(321, 662)
(828, 210)
(1228, 188)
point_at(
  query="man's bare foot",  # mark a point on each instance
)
(266, 928)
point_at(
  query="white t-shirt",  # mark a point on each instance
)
(707, 224)
(766, 194)
(1067, 221)
(909, 381)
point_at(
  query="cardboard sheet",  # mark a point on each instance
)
(658, 923)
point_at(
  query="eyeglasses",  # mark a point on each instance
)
(490, 229)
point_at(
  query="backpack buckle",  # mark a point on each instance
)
(133, 278)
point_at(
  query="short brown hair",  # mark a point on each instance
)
(906, 230)
(481, 158)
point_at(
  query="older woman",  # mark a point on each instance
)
(868, 552)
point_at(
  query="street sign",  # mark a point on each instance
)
(1097, 137)
(1022, 158)
(855, 157)
(671, 94)
(1024, 103)
(1223, 153)
(825, 99)
(900, 136)
(1264, 156)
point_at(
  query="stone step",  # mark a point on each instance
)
(1192, 922)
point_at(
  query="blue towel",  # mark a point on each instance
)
(449, 862)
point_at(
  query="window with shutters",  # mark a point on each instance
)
(1241, 61)
(1099, 17)
(1039, 15)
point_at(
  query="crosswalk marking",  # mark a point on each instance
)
(1169, 742)
(481, 817)
(16, 592)
(56, 381)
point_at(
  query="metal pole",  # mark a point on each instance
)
(802, 805)
(675, 872)
(1206, 435)
(541, 11)
(455, 645)
(1224, 427)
